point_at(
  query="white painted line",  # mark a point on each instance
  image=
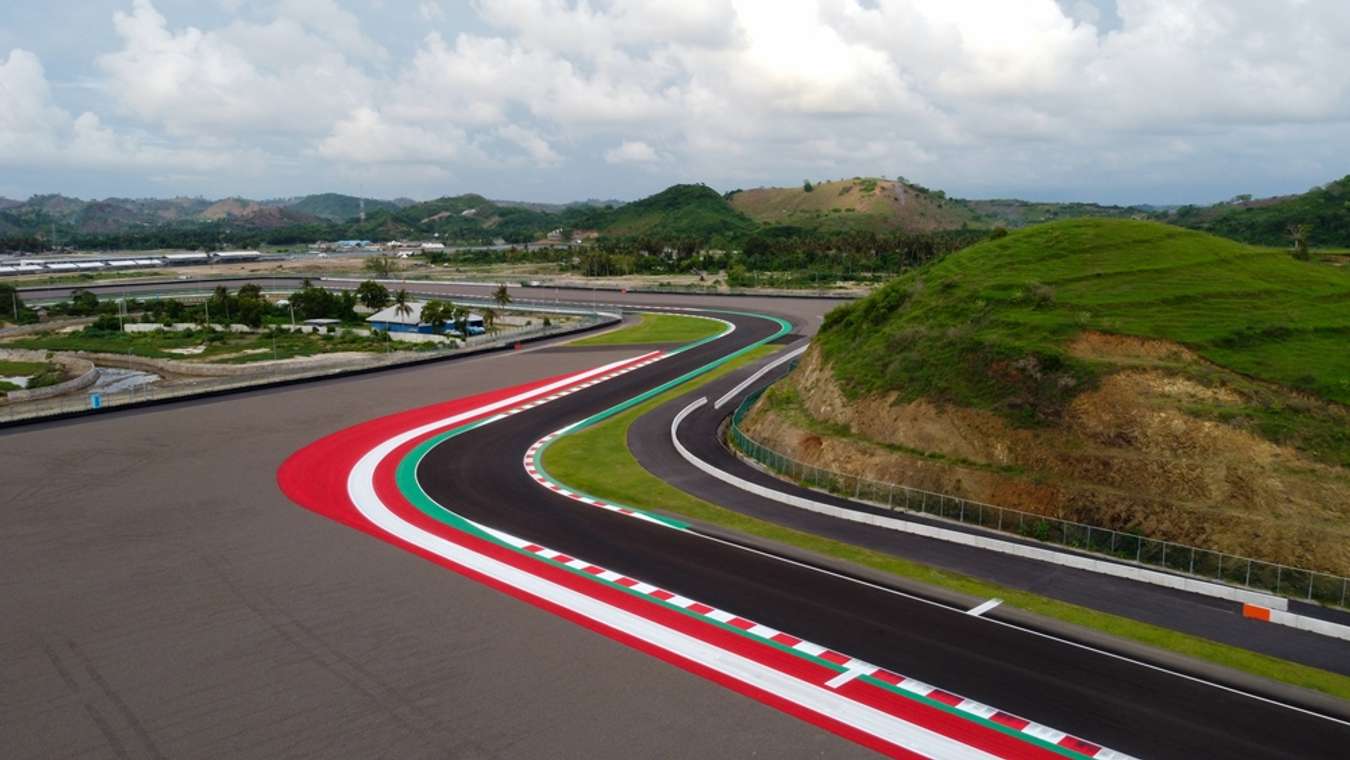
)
(766, 369)
(983, 608)
(845, 677)
(909, 683)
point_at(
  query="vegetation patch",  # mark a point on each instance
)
(657, 328)
(986, 327)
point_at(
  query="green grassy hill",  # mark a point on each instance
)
(691, 211)
(1266, 221)
(987, 326)
(1126, 374)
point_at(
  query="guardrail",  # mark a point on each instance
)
(81, 403)
(1234, 570)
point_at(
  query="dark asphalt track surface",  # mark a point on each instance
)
(1126, 706)
(1214, 619)
(161, 598)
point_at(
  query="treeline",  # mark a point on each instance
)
(811, 254)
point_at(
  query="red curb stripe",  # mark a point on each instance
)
(1011, 721)
(834, 657)
(323, 476)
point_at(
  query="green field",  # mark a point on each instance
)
(20, 369)
(219, 347)
(955, 331)
(37, 374)
(657, 328)
(597, 461)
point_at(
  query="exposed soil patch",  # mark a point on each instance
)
(1132, 453)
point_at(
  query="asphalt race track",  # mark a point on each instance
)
(163, 599)
(1211, 618)
(1125, 706)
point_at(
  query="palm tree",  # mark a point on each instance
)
(435, 314)
(501, 297)
(460, 315)
(490, 320)
(402, 303)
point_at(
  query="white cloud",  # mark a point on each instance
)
(981, 93)
(295, 74)
(430, 10)
(369, 137)
(529, 141)
(34, 131)
(633, 152)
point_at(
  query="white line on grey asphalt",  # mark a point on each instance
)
(766, 369)
(1015, 627)
(1051, 637)
(983, 608)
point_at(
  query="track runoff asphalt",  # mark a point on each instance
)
(1128, 707)
(162, 598)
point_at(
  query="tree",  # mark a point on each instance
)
(436, 314)
(501, 297)
(460, 315)
(381, 266)
(11, 305)
(1299, 232)
(372, 294)
(83, 303)
(807, 186)
(490, 320)
(402, 303)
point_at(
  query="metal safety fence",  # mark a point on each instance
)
(1245, 572)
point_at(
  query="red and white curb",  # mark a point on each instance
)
(531, 455)
(820, 685)
(849, 667)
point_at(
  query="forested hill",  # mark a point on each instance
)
(1267, 221)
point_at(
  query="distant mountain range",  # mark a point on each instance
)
(685, 212)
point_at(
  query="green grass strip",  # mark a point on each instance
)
(597, 461)
(657, 328)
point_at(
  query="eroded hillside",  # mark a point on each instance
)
(1126, 374)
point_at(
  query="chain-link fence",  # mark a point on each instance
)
(92, 400)
(1293, 582)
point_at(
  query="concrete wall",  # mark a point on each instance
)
(82, 373)
(193, 369)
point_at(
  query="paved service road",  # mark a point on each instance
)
(161, 598)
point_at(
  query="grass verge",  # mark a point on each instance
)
(657, 328)
(597, 461)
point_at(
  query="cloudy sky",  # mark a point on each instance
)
(1158, 101)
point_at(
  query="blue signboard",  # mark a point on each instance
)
(95, 401)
